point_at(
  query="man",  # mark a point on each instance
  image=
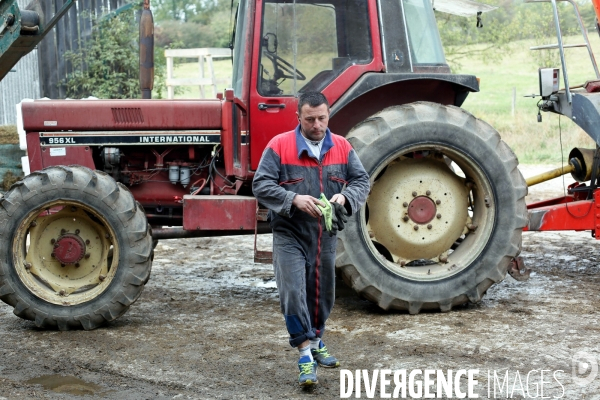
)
(295, 168)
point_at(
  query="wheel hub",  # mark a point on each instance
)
(417, 209)
(69, 249)
(421, 210)
(69, 259)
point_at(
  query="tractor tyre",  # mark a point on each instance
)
(75, 248)
(445, 212)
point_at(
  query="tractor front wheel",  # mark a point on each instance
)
(75, 248)
(445, 213)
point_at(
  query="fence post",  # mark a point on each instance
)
(170, 90)
(201, 62)
(211, 71)
(514, 101)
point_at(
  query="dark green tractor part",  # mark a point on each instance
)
(22, 30)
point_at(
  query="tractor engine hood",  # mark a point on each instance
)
(118, 115)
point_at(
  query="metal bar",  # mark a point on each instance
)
(555, 46)
(585, 37)
(546, 176)
(180, 233)
(575, 215)
(562, 51)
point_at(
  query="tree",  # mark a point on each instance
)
(513, 20)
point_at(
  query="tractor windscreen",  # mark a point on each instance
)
(307, 44)
(424, 39)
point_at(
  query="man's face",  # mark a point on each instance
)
(313, 121)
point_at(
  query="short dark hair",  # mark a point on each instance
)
(313, 99)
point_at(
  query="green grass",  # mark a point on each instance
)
(533, 142)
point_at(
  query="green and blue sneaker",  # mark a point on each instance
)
(322, 356)
(308, 371)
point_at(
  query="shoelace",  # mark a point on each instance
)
(323, 351)
(306, 368)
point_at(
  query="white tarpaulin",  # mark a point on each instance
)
(464, 8)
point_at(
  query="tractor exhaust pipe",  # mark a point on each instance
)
(146, 51)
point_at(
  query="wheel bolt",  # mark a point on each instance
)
(55, 245)
(402, 263)
(73, 209)
(62, 292)
(62, 265)
(87, 241)
(76, 265)
(87, 255)
(443, 259)
(405, 218)
(439, 216)
(77, 231)
(102, 278)
(27, 266)
(34, 224)
(405, 204)
(371, 234)
(429, 226)
(52, 255)
(414, 194)
(63, 231)
(428, 192)
(438, 202)
(52, 241)
(416, 227)
(107, 236)
(471, 227)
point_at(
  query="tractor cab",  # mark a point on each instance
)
(363, 55)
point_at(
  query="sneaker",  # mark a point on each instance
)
(308, 372)
(322, 356)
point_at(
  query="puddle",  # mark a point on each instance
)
(66, 384)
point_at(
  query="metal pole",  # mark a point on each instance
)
(561, 50)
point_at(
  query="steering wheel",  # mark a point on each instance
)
(283, 69)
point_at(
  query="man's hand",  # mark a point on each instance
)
(308, 204)
(338, 198)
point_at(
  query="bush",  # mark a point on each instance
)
(107, 65)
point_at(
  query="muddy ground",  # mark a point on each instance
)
(208, 326)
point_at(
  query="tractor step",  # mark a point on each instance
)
(261, 256)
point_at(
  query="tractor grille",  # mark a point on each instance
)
(128, 115)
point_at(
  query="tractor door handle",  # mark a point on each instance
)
(264, 106)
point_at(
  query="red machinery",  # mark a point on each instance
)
(442, 223)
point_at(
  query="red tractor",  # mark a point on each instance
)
(110, 178)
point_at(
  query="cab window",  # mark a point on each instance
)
(305, 45)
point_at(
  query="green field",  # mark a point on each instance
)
(517, 70)
(533, 142)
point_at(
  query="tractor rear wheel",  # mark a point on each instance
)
(75, 248)
(445, 213)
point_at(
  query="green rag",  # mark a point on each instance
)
(327, 212)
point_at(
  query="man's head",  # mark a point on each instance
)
(313, 115)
